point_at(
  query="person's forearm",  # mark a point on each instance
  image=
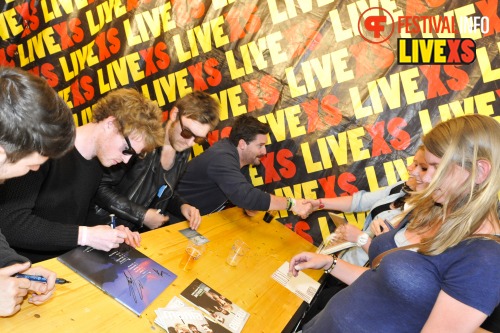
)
(25, 229)
(366, 247)
(120, 205)
(342, 204)
(347, 272)
(174, 205)
(278, 203)
(35, 233)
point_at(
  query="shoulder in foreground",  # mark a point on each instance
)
(478, 244)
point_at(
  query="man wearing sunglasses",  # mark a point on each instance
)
(214, 178)
(45, 213)
(141, 193)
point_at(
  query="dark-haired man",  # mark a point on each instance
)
(44, 214)
(214, 178)
(35, 124)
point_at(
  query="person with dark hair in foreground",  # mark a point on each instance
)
(35, 125)
(44, 213)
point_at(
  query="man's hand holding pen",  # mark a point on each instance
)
(132, 238)
(39, 278)
(41, 290)
(13, 289)
(103, 237)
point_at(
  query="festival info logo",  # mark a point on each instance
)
(376, 25)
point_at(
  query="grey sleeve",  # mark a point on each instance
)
(236, 187)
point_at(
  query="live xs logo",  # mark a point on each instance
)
(376, 25)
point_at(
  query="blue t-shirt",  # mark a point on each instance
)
(384, 242)
(399, 295)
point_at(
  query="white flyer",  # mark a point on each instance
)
(303, 285)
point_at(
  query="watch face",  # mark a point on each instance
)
(362, 239)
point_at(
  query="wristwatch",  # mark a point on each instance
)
(362, 239)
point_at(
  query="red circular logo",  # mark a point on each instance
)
(376, 25)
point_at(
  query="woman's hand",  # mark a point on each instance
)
(379, 226)
(348, 232)
(309, 260)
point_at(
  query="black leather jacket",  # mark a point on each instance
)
(129, 190)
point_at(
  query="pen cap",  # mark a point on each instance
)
(112, 222)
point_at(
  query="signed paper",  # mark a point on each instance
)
(125, 274)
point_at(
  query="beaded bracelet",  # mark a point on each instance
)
(334, 263)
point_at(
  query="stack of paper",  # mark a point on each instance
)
(178, 317)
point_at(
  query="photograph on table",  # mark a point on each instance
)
(217, 307)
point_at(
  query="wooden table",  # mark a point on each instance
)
(81, 307)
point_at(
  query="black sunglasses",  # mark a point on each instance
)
(187, 134)
(129, 150)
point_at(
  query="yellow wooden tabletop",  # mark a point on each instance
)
(81, 307)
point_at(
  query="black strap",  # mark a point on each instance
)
(396, 189)
(387, 206)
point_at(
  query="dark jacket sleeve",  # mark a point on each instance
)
(129, 213)
(128, 190)
(21, 227)
(225, 171)
(174, 205)
(7, 255)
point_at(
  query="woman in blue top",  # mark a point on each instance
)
(448, 281)
(383, 205)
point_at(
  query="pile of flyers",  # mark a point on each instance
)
(177, 317)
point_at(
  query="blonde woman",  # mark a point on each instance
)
(383, 205)
(448, 281)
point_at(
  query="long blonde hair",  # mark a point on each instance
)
(462, 142)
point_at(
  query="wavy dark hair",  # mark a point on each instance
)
(201, 107)
(33, 118)
(247, 128)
